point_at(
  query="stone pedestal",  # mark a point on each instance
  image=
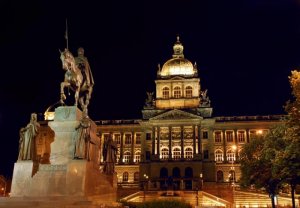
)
(64, 176)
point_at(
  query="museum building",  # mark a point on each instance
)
(178, 143)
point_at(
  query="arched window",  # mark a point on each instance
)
(136, 176)
(176, 153)
(219, 156)
(177, 92)
(230, 155)
(176, 172)
(164, 153)
(125, 177)
(188, 152)
(166, 93)
(137, 156)
(127, 156)
(188, 92)
(163, 173)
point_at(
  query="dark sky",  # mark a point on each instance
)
(245, 50)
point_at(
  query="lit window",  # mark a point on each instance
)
(241, 136)
(137, 156)
(177, 92)
(127, 156)
(189, 92)
(125, 177)
(176, 153)
(229, 136)
(188, 153)
(138, 139)
(164, 153)
(166, 93)
(219, 156)
(127, 138)
(218, 137)
(230, 155)
(118, 138)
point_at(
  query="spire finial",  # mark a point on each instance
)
(178, 49)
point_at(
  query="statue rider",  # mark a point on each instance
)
(88, 81)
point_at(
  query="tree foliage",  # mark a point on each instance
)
(270, 160)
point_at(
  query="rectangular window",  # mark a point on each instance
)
(205, 154)
(138, 138)
(118, 138)
(218, 137)
(148, 136)
(205, 134)
(148, 155)
(241, 136)
(127, 138)
(229, 136)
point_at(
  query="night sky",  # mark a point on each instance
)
(244, 49)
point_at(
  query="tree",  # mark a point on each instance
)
(257, 161)
(276, 156)
(288, 161)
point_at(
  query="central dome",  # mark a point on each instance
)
(178, 65)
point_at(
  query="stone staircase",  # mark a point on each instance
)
(249, 199)
(203, 199)
(107, 201)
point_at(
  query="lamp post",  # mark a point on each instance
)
(197, 197)
(3, 188)
(144, 185)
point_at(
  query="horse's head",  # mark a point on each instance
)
(67, 59)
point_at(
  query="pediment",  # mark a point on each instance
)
(177, 78)
(174, 115)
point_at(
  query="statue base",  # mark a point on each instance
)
(64, 176)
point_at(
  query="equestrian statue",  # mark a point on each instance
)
(78, 78)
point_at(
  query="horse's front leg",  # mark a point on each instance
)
(77, 95)
(62, 92)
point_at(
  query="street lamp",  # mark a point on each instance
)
(144, 185)
(3, 189)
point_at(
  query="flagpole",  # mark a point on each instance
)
(66, 34)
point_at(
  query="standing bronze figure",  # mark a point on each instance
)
(27, 143)
(109, 156)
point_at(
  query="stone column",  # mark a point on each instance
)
(132, 148)
(158, 142)
(122, 148)
(199, 141)
(153, 140)
(224, 145)
(170, 142)
(247, 135)
(181, 142)
(194, 140)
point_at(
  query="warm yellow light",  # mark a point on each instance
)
(259, 131)
(234, 147)
(49, 116)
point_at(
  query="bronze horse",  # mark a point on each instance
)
(78, 77)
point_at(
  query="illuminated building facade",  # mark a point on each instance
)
(178, 144)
